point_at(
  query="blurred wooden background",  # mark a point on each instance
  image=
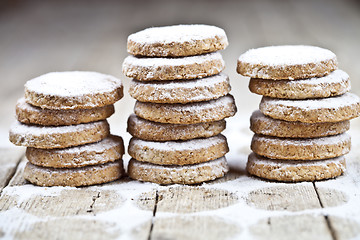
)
(41, 36)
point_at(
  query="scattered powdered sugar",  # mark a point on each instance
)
(132, 61)
(98, 147)
(177, 33)
(189, 84)
(70, 84)
(328, 140)
(345, 100)
(287, 55)
(192, 144)
(37, 130)
(199, 106)
(334, 77)
(289, 163)
(85, 169)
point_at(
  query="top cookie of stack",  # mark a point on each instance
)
(182, 99)
(300, 128)
(62, 122)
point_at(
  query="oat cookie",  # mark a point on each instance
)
(177, 41)
(261, 124)
(29, 114)
(172, 174)
(106, 150)
(295, 171)
(334, 84)
(287, 62)
(178, 152)
(74, 177)
(181, 91)
(301, 149)
(153, 131)
(73, 90)
(150, 69)
(57, 137)
(334, 109)
(190, 113)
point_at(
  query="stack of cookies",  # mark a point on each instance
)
(304, 113)
(182, 101)
(62, 122)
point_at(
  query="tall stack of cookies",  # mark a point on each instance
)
(62, 122)
(182, 101)
(304, 113)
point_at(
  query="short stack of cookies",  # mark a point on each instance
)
(300, 130)
(62, 122)
(182, 101)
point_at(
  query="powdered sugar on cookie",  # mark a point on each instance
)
(288, 55)
(177, 33)
(76, 83)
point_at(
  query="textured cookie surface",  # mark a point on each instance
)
(301, 149)
(57, 137)
(177, 40)
(190, 113)
(29, 114)
(261, 124)
(153, 131)
(181, 91)
(73, 90)
(149, 69)
(287, 62)
(106, 150)
(334, 109)
(172, 174)
(178, 152)
(334, 84)
(295, 171)
(74, 177)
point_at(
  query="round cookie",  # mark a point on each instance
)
(153, 131)
(181, 91)
(178, 152)
(73, 90)
(57, 137)
(301, 149)
(177, 41)
(287, 62)
(334, 109)
(187, 174)
(334, 84)
(190, 113)
(74, 177)
(107, 150)
(261, 124)
(150, 69)
(295, 171)
(29, 114)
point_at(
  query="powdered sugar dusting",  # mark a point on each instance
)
(189, 84)
(192, 144)
(75, 83)
(283, 164)
(336, 76)
(287, 55)
(177, 33)
(213, 164)
(132, 61)
(99, 147)
(328, 140)
(37, 130)
(345, 100)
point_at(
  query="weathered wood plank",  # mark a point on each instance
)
(9, 159)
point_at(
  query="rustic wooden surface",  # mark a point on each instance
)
(41, 36)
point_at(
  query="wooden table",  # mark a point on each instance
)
(39, 37)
